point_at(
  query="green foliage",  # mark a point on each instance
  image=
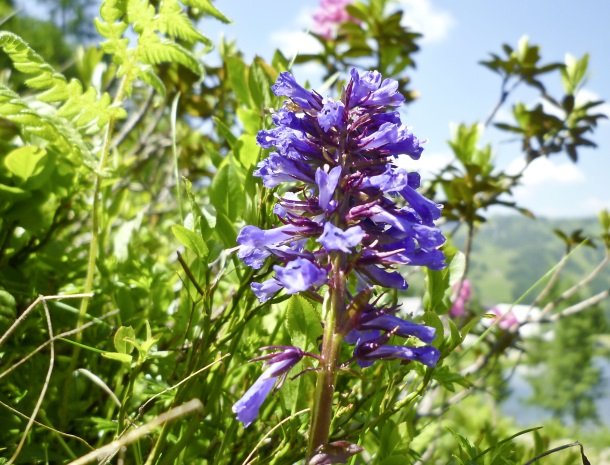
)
(471, 185)
(94, 197)
(568, 381)
(542, 132)
(376, 39)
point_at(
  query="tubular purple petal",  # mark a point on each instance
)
(299, 275)
(248, 406)
(369, 89)
(384, 278)
(332, 115)
(427, 355)
(327, 183)
(334, 238)
(287, 86)
(265, 290)
(400, 327)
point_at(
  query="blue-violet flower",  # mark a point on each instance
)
(349, 217)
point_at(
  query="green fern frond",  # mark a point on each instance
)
(174, 23)
(157, 30)
(36, 127)
(155, 51)
(83, 108)
(208, 8)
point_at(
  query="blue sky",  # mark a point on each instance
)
(455, 88)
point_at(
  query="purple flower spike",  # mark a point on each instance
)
(246, 409)
(350, 215)
(299, 275)
(287, 86)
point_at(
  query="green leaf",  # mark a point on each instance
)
(122, 339)
(237, 71)
(119, 357)
(259, 85)
(26, 162)
(302, 321)
(396, 460)
(191, 240)
(247, 151)
(250, 119)
(225, 230)
(227, 191)
(13, 193)
(436, 298)
(8, 310)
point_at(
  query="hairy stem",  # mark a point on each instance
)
(325, 384)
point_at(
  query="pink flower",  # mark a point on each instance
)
(459, 304)
(329, 16)
(507, 320)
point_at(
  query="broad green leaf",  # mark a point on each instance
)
(191, 240)
(247, 151)
(250, 119)
(238, 77)
(26, 162)
(227, 191)
(302, 321)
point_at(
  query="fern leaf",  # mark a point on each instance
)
(141, 15)
(154, 51)
(113, 10)
(207, 7)
(174, 23)
(148, 75)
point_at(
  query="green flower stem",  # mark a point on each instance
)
(325, 383)
(95, 214)
(93, 245)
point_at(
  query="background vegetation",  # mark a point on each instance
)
(125, 175)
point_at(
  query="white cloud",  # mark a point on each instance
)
(544, 171)
(423, 16)
(428, 165)
(294, 39)
(594, 205)
(550, 188)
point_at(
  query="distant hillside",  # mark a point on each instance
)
(512, 252)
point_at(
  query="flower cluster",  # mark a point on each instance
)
(464, 292)
(349, 214)
(329, 15)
